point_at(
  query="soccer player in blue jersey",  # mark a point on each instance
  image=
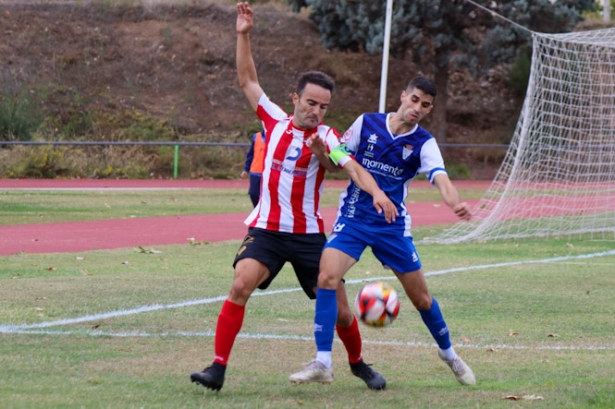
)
(394, 149)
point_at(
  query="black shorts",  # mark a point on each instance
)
(273, 249)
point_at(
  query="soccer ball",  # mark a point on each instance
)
(377, 304)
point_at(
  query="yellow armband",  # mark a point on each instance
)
(339, 153)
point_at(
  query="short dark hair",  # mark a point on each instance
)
(317, 78)
(424, 85)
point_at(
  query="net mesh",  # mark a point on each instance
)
(558, 176)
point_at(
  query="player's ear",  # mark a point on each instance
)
(295, 98)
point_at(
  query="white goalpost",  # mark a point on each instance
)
(558, 176)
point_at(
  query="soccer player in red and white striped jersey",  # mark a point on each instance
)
(286, 225)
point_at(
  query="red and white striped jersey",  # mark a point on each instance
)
(293, 178)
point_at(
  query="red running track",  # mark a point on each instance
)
(110, 234)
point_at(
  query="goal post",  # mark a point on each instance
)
(557, 178)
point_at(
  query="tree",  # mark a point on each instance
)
(442, 34)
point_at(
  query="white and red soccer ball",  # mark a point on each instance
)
(377, 304)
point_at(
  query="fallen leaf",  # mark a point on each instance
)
(148, 251)
(465, 339)
(51, 268)
(524, 397)
(40, 298)
(96, 326)
(511, 397)
(512, 333)
(79, 258)
(125, 262)
(39, 309)
(553, 335)
(193, 242)
(571, 246)
(492, 350)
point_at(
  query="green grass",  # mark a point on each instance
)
(52, 206)
(124, 329)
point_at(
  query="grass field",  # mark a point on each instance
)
(52, 206)
(123, 328)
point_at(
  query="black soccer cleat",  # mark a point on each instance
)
(211, 377)
(372, 378)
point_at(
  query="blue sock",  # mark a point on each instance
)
(325, 318)
(437, 326)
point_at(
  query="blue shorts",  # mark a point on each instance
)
(392, 250)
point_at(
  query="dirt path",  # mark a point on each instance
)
(109, 234)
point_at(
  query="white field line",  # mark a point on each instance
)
(35, 328)
(289, 337)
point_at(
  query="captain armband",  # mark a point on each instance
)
(339, 153)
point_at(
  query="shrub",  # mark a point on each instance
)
(46, 162)
(20, 116)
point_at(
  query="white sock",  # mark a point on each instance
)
(448, 354)
(324, 357)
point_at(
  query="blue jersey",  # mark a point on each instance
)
(393, 160)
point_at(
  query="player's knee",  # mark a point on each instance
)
(344, 315)
(240, 292)
(242, 288)
(327, 280)
(422, 302)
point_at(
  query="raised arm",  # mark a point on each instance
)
(450, 196)
(246, 70)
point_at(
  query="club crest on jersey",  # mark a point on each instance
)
(371, 141)
(294, 154)
(346, 136)
(407, 151)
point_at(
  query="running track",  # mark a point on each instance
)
(110, 234)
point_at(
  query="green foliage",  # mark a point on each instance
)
(458, 171)
(519, 74)
(69, 118)
(598, 11)
(432, 27)
(41, 162)
(135, 125)
(20, 116)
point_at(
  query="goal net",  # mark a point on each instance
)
(558, 176)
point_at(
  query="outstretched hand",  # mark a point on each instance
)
(245, 18)
(462, 210)
(382, 203)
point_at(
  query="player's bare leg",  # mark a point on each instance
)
(415, 287)
(249, 274)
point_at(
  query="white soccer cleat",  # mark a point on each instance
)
(462, 371)
(314, 371)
